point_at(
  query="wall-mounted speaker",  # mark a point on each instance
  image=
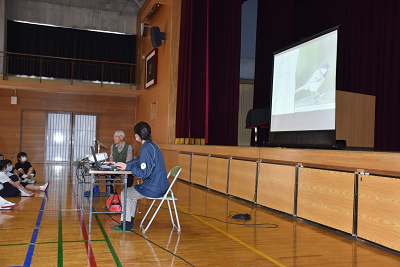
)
(156, 36)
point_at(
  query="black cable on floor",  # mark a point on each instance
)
(255, 225)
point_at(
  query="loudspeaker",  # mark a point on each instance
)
(156, 36)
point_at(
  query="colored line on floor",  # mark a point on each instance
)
(60, 259)
(236, 239)
(110, 247)
(31, 248)
(52, 242)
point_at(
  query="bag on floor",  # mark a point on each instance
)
(113, 203)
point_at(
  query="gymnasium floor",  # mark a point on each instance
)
(49, 230)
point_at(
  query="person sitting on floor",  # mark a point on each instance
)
(24, 167)
(13, 185)
(5, 204)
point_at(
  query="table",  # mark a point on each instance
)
(97, 181)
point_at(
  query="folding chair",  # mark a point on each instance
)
(168, 196)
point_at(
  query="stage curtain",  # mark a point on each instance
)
(224, 71)
(191, 95)
(223, 30)
(368, 60)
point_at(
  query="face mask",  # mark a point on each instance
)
(23, 159)
(9, 168)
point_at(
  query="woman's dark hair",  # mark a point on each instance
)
(3, 164)
(143, 130)
(21, 154)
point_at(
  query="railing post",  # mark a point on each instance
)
(40, 79)
(130, 77)
(102, 73)
(7, 66)
(72, 72)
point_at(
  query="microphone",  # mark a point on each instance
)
(100, 143)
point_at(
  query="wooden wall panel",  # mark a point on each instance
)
(199, 170)
(108, 124)
(33, 135)
(184, 162)
(379, 210)
(326, 197)
(159, 93)
(242, 179)
(170, 159)
(106, 107)
(218, 174)
(276, 184)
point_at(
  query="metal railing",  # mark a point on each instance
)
(59, 68)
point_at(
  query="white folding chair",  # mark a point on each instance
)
(168, 196)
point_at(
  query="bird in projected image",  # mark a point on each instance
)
(316, 80)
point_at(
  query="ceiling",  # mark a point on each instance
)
(123, 7)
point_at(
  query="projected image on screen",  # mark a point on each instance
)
(304, 87)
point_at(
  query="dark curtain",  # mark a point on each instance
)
(368, 56)
(191, 95)
(270, 38)
(224, 69)
(69, 43)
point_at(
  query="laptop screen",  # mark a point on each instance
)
(95, 158)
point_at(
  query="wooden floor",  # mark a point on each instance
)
(49, 230)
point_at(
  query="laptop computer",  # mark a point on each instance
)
(99, 166)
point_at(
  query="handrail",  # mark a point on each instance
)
(89, 60)
(58, 68)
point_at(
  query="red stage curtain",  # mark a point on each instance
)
(223, 70)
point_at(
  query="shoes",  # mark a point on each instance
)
(96, 191)
(8, 206)
(24, 176)
(118, 227)
(44, 187)
(23, 194)
(29, 181)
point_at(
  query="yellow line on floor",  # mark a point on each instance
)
(236, 239)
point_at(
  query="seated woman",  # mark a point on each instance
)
(150, 167)
(12, 183)
(26, 170)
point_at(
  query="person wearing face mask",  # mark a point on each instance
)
(24, 167)
(150, 167)
(13, 185)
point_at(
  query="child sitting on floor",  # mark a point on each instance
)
(13, 185)
(24, 167)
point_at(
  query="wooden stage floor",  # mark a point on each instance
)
(49, 230)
